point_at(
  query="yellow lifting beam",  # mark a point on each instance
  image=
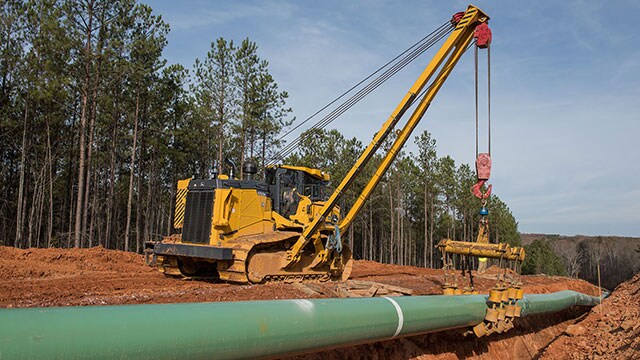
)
(492, 251)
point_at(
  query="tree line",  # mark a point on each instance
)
(96, 128)
(608, 260)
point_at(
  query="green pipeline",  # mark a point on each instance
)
(238, 330)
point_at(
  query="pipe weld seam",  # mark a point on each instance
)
(400, 315)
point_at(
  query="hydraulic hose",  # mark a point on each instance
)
(239, 330)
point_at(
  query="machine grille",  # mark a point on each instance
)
(197, 217)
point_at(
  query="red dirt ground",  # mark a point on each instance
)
(96, 276)
(610, 331)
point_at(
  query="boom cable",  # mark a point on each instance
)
(405, 58)
(427, 88)
(475, 55)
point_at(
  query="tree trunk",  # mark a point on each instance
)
(71, 216)
(426, 228)
(392, 217)
(94, 100)
(82, 130)
(464, 225)
(112, 175)
(131, 171)
(172, 196)
(351, 231)
(93, 212)
(453, 222)
(220, 143)
(68, 203)
(365, 244)
(264, 149)
(138, 199)
(40, 204)
(252, 141)
(32, 213)
(87, 185)
(141, 171)
(148, 210)
(242, 146)
(50, 218)
(431, 235)
(371, 230)
(174, 177)
(20, 213)
(34, 223)
(90, 152)
(398, 209)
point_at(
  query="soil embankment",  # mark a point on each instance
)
(610, 331)
(96, 276)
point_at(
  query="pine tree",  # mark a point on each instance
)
(427, 158)
(216, 97)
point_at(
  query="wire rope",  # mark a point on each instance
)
(405, 57)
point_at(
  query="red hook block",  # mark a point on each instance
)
(483, 169)
(483, 166)
(477, 190)
(455, 19)
(482, 34)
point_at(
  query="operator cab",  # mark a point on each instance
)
(286, 182)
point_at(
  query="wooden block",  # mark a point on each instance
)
(317, 288)
(382, 291)
(398, 289)
(344, 293)
(358, 293)
(371, 292)
(305, 289)
(359, 284)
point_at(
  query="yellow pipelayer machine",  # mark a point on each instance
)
(286, 228)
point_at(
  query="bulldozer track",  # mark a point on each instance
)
(236, 271)
(268, 253)
(300, 278)
(273, 248)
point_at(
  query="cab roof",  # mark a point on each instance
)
(316, 173)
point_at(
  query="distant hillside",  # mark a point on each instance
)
(619, 257)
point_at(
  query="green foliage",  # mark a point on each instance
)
(503, 223)
(215, 98)
(94, 70)
(237, 104)
(541, 259)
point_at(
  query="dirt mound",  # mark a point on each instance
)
(610, 331)
(495, 270)
(97, 276)
(542, 284)
(48, 263)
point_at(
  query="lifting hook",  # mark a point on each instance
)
(483, 171)
(477, 190)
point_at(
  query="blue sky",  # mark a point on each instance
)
(565, 85)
